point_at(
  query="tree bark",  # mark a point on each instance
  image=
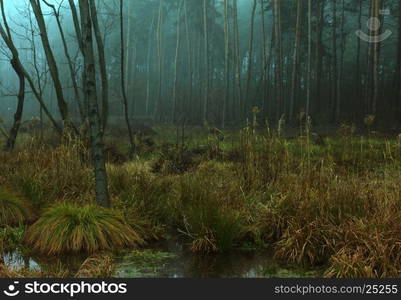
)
(123, 89)
(62, 104)
(102, 66)
(250, 57)
(95, 127)
(295, 59)
(5, 33)
(279, 58)
(226, 66)
(206, 57)
(69, 60)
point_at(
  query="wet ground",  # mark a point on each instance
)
(172, 260)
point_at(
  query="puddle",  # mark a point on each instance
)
(173, 260)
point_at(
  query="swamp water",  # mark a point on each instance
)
(173, 260)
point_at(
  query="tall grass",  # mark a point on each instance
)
(335, 204)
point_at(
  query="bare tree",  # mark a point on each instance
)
(123, 90)
(95, 127)
(62, 104)
(295, 58)
(102, 65)
(14, 60)
(6, 34)
(56, 13)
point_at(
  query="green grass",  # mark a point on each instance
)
(69, 228)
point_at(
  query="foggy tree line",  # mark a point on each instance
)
(214, 61)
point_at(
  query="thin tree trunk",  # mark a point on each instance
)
(123, 90)
(398, 73)
(96, 136)
(160, 58)
(102, 65)
(62, 104)
(5, 33)
(279, 57)
(69, 60)
(376, 47)
(250, 55)
(296, 58)
(148, 80)
(319, 55)
(189, 55)
(308, 96)
(334, 62)
(226, 65)
(206, 57)
(12, 136)
(358, 56)
(264, 56)
(238, 60)
(177, 53)
(341, 67)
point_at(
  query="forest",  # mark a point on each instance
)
(200, 138)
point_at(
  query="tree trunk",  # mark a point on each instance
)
(295, 59)
(177, 53)
(319, 56)
(160, 58)
(398, 73)
(264, 56)
(226, 66)
(69, 60)
(206, 57)
(376, 47)
(96, 136)
(308, 96)
(12, 136)
(334, 62)
(250, 57)
(6, 35)
(62, 104)
(189, 55)
(102, 65)
(279, 57)
(149, 64)
(238, 60)
(123, 90)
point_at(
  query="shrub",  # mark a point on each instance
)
(14, 210)
(68, 228)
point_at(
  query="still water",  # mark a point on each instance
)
(173, 260)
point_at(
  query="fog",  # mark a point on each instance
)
(175, 70)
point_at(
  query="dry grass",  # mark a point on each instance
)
(336, 204)
(14, 209)
(100, 265)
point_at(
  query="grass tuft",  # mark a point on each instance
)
(14, 210)
(68, 228)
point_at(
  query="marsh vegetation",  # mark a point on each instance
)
(260, 137)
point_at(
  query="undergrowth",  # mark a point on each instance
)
(328, 201)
